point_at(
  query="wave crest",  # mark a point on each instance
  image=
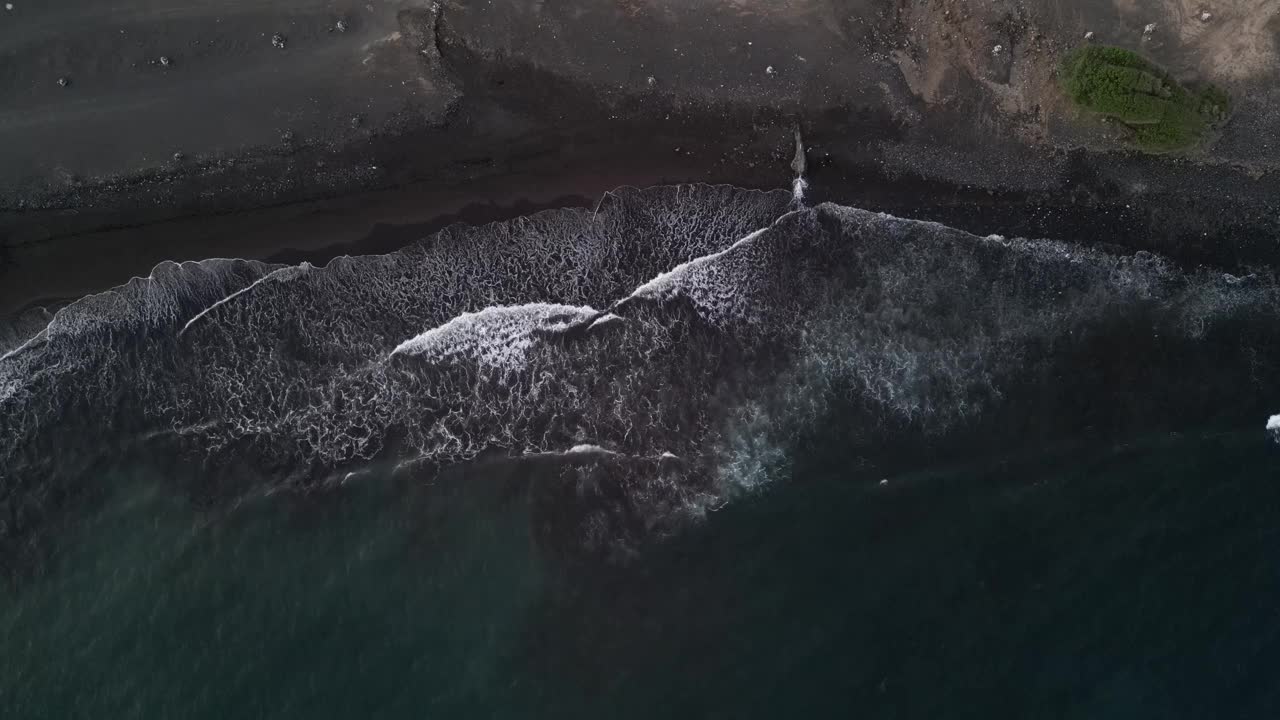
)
(736, 328)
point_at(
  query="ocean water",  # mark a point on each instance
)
(696, 452)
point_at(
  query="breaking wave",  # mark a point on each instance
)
(496, 336)
(733, 329)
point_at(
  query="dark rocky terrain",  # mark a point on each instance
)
(183, 131)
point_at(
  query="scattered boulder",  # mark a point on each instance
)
(277, 41)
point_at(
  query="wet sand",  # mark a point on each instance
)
(55, 270)
(1081, 208)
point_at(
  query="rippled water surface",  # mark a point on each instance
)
(697, 452)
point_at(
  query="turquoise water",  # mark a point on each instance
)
(1134, 580)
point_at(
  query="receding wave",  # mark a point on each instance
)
(670, 349)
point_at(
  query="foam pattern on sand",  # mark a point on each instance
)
(731, 329)
(495, 336)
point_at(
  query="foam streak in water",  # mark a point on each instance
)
(667, 280)
(495, 336)
(282, 275)
(738, 325)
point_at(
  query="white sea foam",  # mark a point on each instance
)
(8, 388)
(589, 449)
(667, 281)
(606, 319)
(284, 274)
(496, 336)
(920, 325)
(797, 190)
(30, 343)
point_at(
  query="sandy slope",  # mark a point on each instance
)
(228, 91)
(464, 93)
(226, 88)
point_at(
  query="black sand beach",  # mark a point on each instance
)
(514, 376)
(414, 113)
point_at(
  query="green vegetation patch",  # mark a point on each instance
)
(1163, 115)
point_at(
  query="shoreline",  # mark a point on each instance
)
(462, 115)
(53, 272)
(530, 133)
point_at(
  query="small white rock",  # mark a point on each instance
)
(1088, 36)
(8, 6)
(164, 61)
(1206, 16)
(769, 70)
(996, 50)
(652, 81)
(1150, 28)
